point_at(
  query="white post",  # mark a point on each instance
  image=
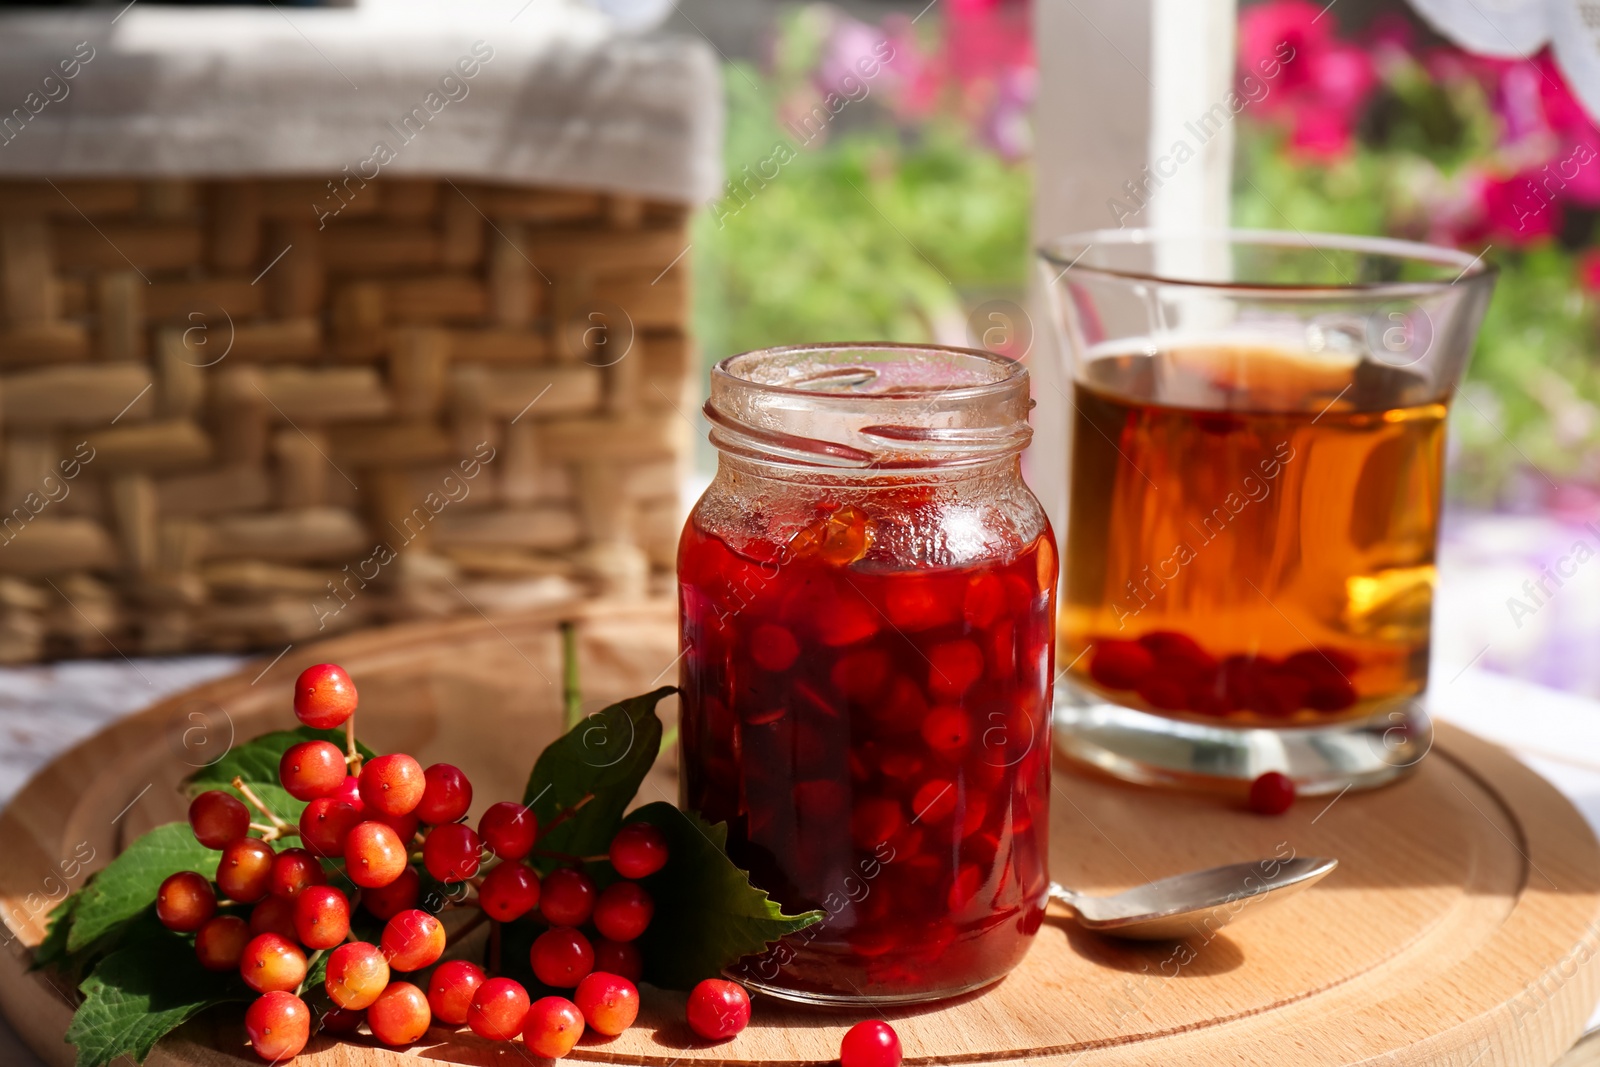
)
(1120, 84)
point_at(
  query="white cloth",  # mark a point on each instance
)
(559, 95)
(1516, 29)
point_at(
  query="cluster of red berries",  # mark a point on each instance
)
(373, 815)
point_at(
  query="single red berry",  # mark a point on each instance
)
(452, 852)
(509, 892)
(325, 824)
(508, 830)
(561, 956)
(244, 871)
(321, 917)
(405, 826)
(412, 940)
(639, 850)
(451, 988)
(374, 855)
(552, 1026)
(498, 1009)
(272, 962)
(324, 696)
(623, 911)
(185, 902)
(219, 944)
(312, 769)
(349, 791)
(609, 1002)
(217, 818)
(566, 897)
(619, 957)
(387, 901)
(392, 784)
(278, 1025)
(718, 1009)
(870, 1044)
(357, 975)
(400, 1015)
(295, 870)
(446, 794)
(274, 915)
(1272, 793)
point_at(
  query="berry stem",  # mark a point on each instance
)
(568, 857)
(250, 795)
(571, 691)
(352, 754)
(567, 814)
(311, 962)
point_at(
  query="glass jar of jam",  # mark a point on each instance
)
(867, 602)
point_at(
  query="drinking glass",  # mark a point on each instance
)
(1256, 457)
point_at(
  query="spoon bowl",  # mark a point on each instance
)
(1192, 903)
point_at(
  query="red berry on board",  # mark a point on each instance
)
(446, 794)
(412, 940)
(278, 1025)
(357, 975)
(185, 902)
(552, 1026)
(561, 956)
(619, 957)
(244, 870)
(321, 917)
(217, 818)
(385, 902)
(374, 855)
(392, 784)
(566, 897)
(609, 1002)
(325, 824)
(639, 850)
(509, 892)
(452, 852)
(324, 696)
(400, 1015)
(272, 962)
(498, 1009)
(295, 870)
(718, 1009)
(870, 1044)
(312, 769)
(508, 830)
(1272, 793)
(623, 911)
(219, 944)
(274, 915)
(451, 988)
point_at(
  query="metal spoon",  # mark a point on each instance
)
(1196, 902)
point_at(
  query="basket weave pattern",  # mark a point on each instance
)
(226, 427)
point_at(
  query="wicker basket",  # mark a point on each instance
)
(226, 427)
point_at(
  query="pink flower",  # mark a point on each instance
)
(1589, 271)
(1320, 134)
(1515, 213)
(852, 48)
(1320, 84)
(1268, 31)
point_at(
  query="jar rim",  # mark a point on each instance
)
(869, 405)
(1012, 374)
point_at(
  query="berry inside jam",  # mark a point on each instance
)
(876, 738)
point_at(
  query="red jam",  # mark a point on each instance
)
(876, 737)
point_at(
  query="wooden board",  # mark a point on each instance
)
(1461, 927)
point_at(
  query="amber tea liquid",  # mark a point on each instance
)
(1251, 535)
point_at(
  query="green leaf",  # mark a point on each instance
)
(128, 886)
(708, 915)
(139, 994)
(52, 951)
(606, 757)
